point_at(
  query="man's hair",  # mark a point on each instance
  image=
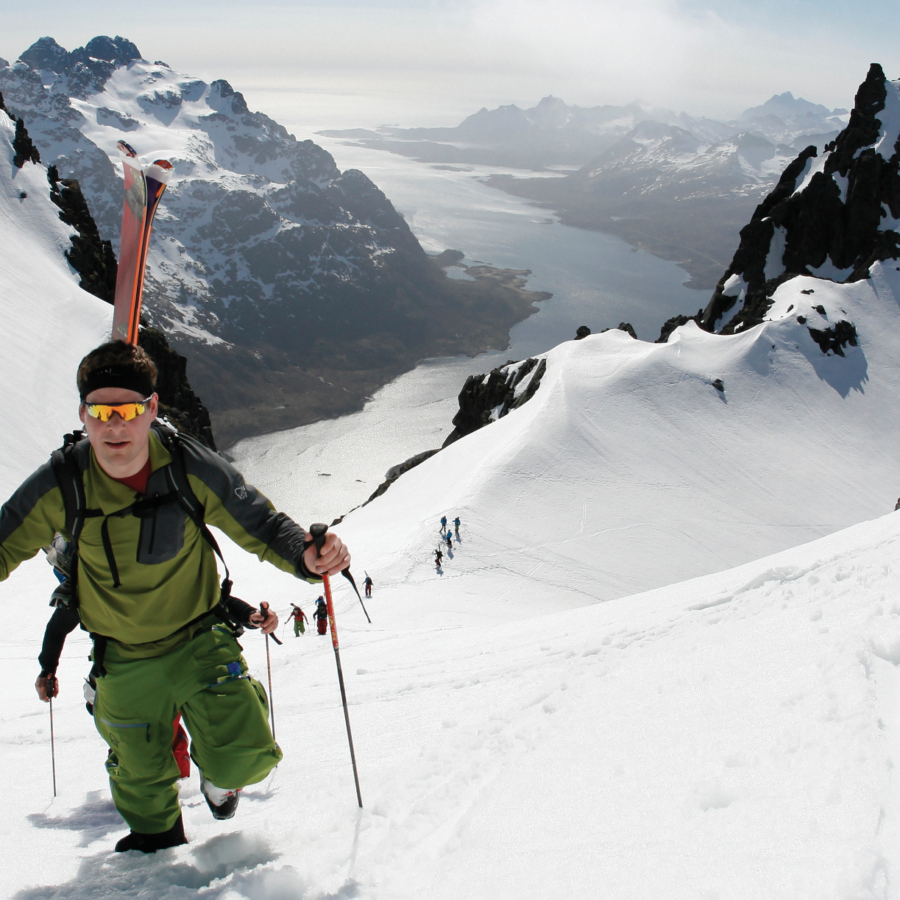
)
(117, 364)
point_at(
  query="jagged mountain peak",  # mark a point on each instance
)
(787, 106)
(830, 216)
(86, 69)
(46, 53)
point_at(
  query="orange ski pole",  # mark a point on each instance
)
(318, 533)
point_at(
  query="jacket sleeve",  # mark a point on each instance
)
(30, 518)
(62, 622)
(243, 513)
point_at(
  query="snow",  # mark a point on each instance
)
(660, 662)
(889, 117)
(49, 323)
(813, 166)
(775, 256)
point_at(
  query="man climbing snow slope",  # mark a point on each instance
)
(147, 590)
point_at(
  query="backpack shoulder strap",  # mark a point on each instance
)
(179, 483)
(177, 473)
(68, 476)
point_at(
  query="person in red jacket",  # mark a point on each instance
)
(299, 618)
(321, 616)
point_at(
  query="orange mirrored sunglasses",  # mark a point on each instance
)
(128, 411)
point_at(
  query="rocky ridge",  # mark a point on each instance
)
(830, 216)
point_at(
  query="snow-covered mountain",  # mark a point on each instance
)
(293, 288)
(732, 736)
(553, 133)
(663, 443)
(677, 185)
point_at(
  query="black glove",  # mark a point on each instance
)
(240, 611)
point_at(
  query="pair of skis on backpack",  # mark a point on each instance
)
(144, 186)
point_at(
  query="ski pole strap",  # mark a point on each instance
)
(318, 534)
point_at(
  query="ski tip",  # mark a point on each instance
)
(127, 149)
(159, 170)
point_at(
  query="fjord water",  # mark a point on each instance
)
(596, 279)
(323, 470)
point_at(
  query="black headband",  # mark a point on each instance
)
(126, 377)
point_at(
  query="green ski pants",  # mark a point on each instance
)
(225, 711)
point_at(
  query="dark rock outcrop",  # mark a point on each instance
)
(395, 472)
(825, 217)
(627, 327)
(24, 147)
(836, 338)
(486, 398)
(177, 401)
(676, 322)
(90, 256)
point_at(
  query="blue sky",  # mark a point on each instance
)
(433, 61)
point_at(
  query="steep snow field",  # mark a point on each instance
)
(733, 736)
(48, 322)
(630, 460)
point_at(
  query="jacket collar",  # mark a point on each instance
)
(109, 495)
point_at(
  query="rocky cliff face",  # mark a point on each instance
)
(486, 398)
(177, 401)
(831, 215)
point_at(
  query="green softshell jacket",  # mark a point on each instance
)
(167, 569)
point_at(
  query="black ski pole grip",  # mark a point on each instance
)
(318, 535)
(267, 611)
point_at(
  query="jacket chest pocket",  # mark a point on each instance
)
(161, 534)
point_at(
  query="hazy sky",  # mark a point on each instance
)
(435, 61)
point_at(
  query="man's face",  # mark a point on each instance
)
(121, 447)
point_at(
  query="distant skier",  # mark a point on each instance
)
(438, 558)
(456, 524)
(443, 524)
(321, 616)
(299, 618)
(449, 539)
(368, 583)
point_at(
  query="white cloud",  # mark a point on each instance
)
(712, 57)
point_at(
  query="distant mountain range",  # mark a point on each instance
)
(294, 289)
(676, 185)
(556, 134)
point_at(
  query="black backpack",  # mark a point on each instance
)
(68, 475)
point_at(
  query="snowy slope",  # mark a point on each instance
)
(49, 323)
(731, 737)
(630, 457)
